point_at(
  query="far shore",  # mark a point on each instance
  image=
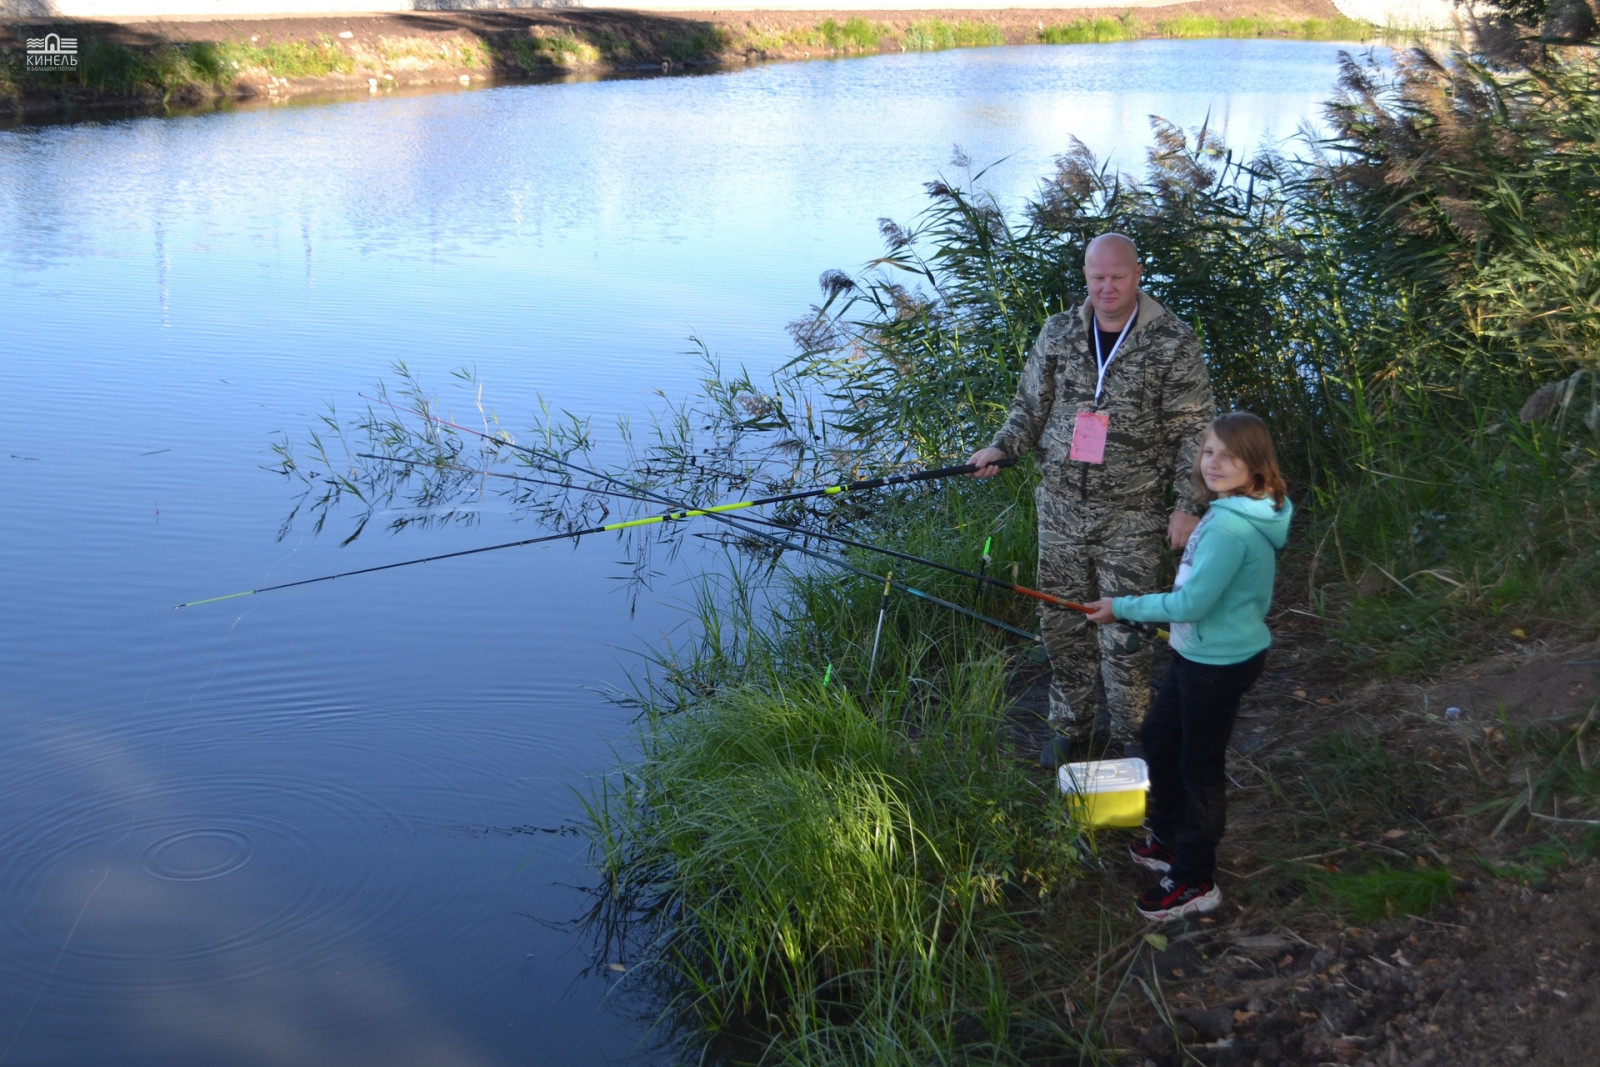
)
(157, 63)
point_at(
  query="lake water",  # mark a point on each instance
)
(333, 825)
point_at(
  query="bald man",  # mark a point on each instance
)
(1113, 400)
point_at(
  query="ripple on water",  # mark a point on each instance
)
(197, 855)
(219, 877)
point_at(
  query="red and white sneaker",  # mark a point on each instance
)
(1152, 855)
(1173, 900)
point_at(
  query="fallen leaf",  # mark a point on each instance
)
(1393, 835)
(1324, 700)
(1241, 1017)
(619, 968)
(1177, 972)
(1156, 941)
(1519, 634)
(1301, 693)
(1288, 960)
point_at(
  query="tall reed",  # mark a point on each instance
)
(1386, 299)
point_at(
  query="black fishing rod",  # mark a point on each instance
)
(979, 576)
(715, 512)
(1143, 627)
(637, 494)
(574, 534)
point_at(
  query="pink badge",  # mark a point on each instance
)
(1089, 437)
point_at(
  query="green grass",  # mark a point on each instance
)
(854, 33)
(1099, 30)
(108, 67)
(1130, 27)
(698, 45)
(202, 67)
(1199, 26)
(454, 53)
(844, 873)
(535, 52)
(1384, 892)
(927, 35)
(831, 877)
(288, 59)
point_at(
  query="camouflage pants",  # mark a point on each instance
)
(1088, 551)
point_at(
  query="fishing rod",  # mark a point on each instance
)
(637, 494)
(716, 512)
(870, 483)
(1144, 628)
(573, 534)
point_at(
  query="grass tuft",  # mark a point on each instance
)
(927, 35)
(1384, 892)
(812, 866)
(288, 59)
(1098, 30)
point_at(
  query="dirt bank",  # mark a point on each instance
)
(151, 62)
(1475, 788)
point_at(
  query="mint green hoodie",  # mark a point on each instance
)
(1218, 605)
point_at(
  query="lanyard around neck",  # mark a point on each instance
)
(1103, 360)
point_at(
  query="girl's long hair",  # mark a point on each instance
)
(1246, 436)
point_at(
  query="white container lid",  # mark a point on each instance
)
(1104, 776)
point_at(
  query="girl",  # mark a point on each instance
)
(1217, 610)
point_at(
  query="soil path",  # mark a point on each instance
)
(1505, 971)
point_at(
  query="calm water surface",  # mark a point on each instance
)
(312, 827)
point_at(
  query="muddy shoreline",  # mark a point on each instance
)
(150, 64)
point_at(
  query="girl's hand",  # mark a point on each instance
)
(1101, 613)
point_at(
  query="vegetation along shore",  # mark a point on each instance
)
(834, 845)
(176, 63)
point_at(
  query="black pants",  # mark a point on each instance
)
(1185, 743)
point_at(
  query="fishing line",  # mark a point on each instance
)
(573, 534)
